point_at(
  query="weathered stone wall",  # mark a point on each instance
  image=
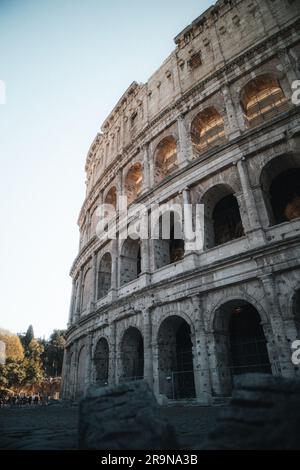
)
(212, 66)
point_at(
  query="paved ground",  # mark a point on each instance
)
(55, 427)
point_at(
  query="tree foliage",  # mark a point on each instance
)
(29, 361)
(13, 346)
(54, 353)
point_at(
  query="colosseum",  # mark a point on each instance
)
(218, 124)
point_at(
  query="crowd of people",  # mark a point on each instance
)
(23, 400)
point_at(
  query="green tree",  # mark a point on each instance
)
(12, 372)
(13, 346)
(54, 353)
(29, 336)
(33, 363)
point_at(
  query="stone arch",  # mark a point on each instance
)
(169, 248)
(175, 358)
(133, 182)
(279, 182)
(81, 372)
(87, 286)
(165, 158)
(164, 313)
(207, 130)
(130, 261)
(262, 98)
(244, 297)
(223, 221)
(101, 361)
(111, 197)
(240, 342)
(132, 354)
(104, 276)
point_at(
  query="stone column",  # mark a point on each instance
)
(114, 266)
(78, 296)
(120, 188)
(72, 304)
(289, 71)
(155, 365)
(146, 168)
(255, 231)
(201, 364)
(187, 222)
(148, 357)
(233, 125)
(112, 380)
(94, 278)
(89, 363)
(185, 144)
(151, 162)
(145, 259)
(74, 372)
(283, 351)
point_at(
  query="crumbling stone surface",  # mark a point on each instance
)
(125, 417)
(264, 413)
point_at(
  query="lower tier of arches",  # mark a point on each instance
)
(191, 348)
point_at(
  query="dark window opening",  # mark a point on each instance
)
(248, 349)
(227, 220)
(285, 196)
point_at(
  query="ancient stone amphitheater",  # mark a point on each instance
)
(218, 124)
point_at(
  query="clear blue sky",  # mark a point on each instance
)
(65, 64)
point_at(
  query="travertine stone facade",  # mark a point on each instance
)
(215, 125)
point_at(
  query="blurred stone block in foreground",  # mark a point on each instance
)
(264, 413)
(125, 417)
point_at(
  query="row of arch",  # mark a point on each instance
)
(242, 344)
(261, 99)
(280, 183)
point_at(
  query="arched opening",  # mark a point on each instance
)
(133, 182)
(101, 362)
(132, 353)
(227, 220)
(175, 359)
(81, 373)
(241, 345)
(207, 130)
(130, 261)
(165, 158)
(280, 184)
(86, 290)
(296, 312)
(104, 276)
(111, 197)
(285, 196)
(223, 221)
(169, 248)
(262, 99)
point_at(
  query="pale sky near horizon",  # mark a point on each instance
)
(65, 64)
